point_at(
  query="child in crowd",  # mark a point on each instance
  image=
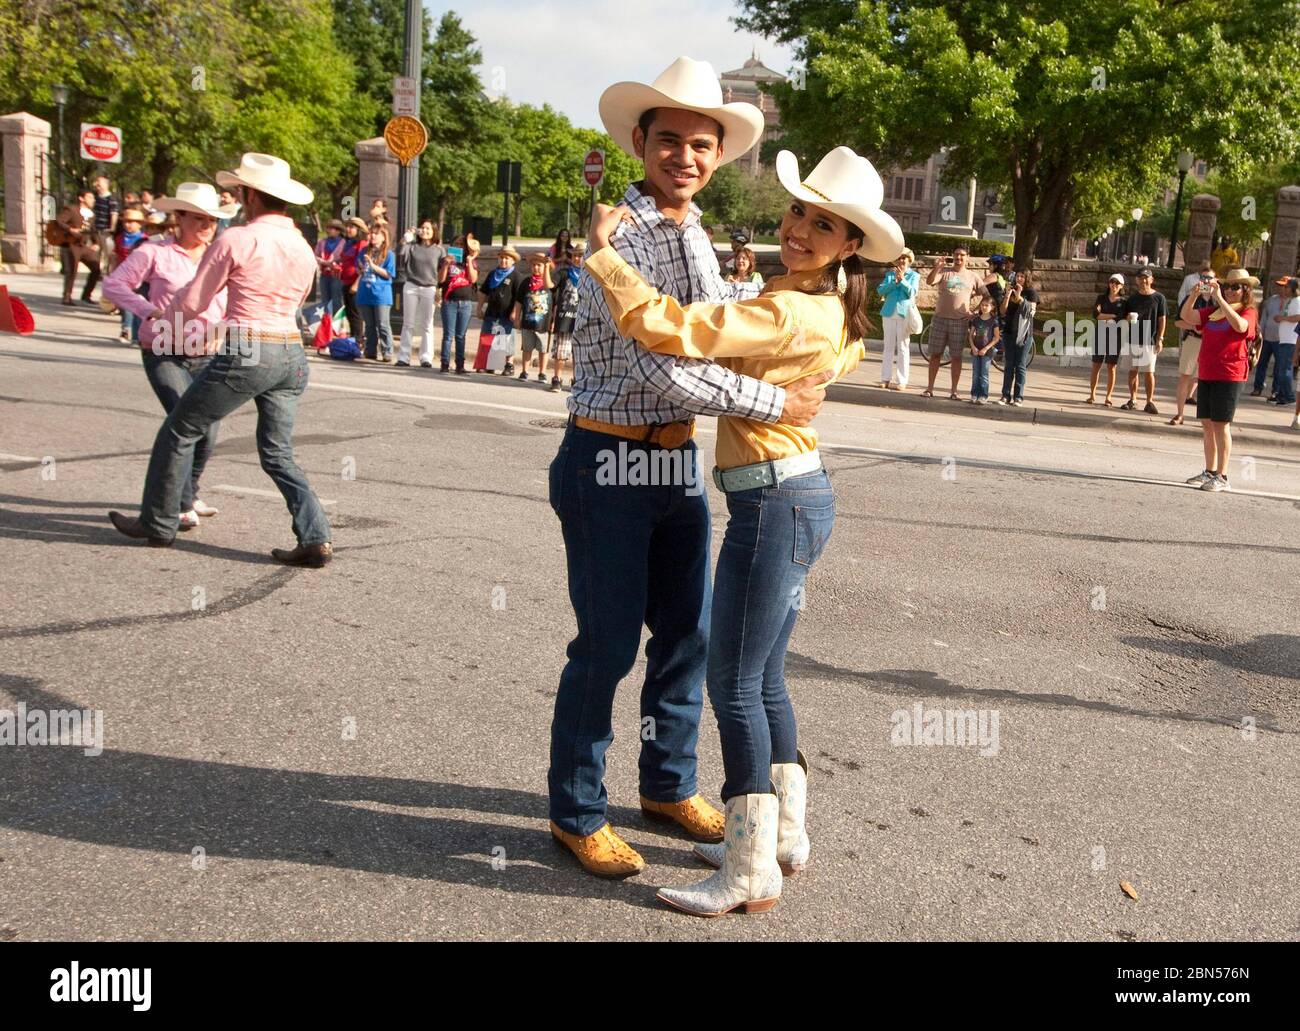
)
(566, 315)
(984, 335)
(497, 306)
(532, 312)
(129, 235)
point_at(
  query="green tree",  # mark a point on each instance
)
(1043, 102)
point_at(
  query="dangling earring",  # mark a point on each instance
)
(841, 279)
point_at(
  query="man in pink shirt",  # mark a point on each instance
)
(267, 270)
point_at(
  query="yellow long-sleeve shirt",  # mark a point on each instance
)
(780, 336)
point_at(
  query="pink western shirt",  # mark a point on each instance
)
(167, 269)
(266, 269)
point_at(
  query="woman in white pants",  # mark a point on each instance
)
(899, 289)
(421, 261)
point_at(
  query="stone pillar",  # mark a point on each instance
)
(1284, 238)
(1201, 220)
(378, 178)
(26, 164)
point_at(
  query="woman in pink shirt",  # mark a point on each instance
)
(174, 354)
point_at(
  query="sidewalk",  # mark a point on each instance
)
(1055, 393)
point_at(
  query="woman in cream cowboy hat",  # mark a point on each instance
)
(811, 320)
(165, 267)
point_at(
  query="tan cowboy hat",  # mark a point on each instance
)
(508, 252)
(846, 185)
(199, 198)
(359, 223)
(269, 175)
(1238, 275)
(136, 215)
(687, 85)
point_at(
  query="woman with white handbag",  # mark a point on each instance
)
(900, 319)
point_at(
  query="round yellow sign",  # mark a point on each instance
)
(406, 137)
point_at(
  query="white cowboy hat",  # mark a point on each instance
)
(199, 198)
(846, 185)
(269, 175)
(687, 85)
(1238, 275)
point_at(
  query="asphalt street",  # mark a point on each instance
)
(360, 752)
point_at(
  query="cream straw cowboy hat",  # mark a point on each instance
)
(269, 175)
(199, 198)
(846, 185)
(687, 85)
(1238, 275)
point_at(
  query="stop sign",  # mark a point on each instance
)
(101, 142)
(593, 168)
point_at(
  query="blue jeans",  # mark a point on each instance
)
(331, 293)
(170, 378)
(1269, 350)
(1015, 360)
(379, 331)
(637, 556)
(274, 384)
(774, 536)
(1283, 374)
(455, 323)
(979, 370)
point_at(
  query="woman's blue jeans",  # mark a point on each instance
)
(170, 376)
(379, 330)
(1015, 360)
(774, 536)
(455, 323)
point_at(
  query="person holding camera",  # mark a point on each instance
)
(1189, 345)
(1018, 306)
(952, 311)
(898, 290)
(1228, 328)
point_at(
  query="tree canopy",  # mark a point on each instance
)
(1074, 112)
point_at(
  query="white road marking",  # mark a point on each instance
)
(260, 492)
(17, 458)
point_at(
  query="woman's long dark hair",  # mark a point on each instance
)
(856, 293)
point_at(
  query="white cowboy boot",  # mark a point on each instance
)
(749, 878)
(790, 782)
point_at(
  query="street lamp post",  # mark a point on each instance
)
(1185, 160)
(1263, 239)
(59, 94)
(408, 175)
(1119, 224)
(1137, 231)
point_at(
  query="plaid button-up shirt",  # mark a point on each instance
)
(618, 381)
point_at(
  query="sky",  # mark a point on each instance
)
(565, 54)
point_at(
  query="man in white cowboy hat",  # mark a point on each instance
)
(171, 362)
(267, 270)
(639, 555)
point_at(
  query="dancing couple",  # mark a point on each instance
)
(660, 338)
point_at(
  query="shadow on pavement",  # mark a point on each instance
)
(170, 805)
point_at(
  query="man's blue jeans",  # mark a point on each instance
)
(637, 556)
(979, 372)
(1283, 374)
(170, 377)
(274, 383)
(1269, 350)
(774, 536)
(455, 323)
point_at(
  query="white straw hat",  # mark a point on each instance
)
(199, 198)
(687, 85)
(269, 175)
(846, 185)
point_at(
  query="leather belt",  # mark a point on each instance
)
(766, 474)
(666, 434)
